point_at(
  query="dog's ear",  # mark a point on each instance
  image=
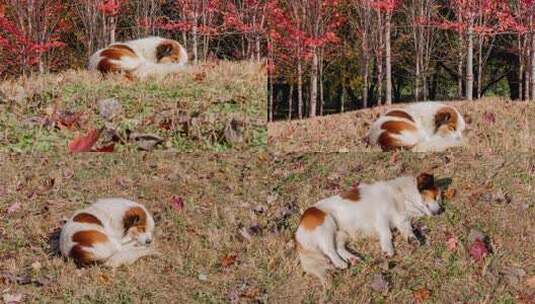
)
(164, 50)
(425, 181)
(135, 216)
(442, 118)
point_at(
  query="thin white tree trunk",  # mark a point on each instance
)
(532, 64)
(313, 84)
(388, 61)
(299, 89)
(469, 64)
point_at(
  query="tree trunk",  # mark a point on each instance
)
(299, 90)
(388, 60)
(343, 99)
(479, 66)
(195, 39)
(379, 62)
(113, 25)
(532, 63)
(313, 84)
(521, 68)
(469, 64)
(322, 100)
(290, 102)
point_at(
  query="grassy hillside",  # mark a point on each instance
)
(212, 107)
(493, 126)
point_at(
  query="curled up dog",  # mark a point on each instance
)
(112, 232)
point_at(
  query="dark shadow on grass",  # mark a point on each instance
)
(53, 243)
(443, 183)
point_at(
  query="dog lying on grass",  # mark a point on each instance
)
(420, 127)
(151, 56)
(112, 232)
(369, 209)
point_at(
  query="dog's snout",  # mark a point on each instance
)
(148, 241)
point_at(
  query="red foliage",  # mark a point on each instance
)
(85, 143)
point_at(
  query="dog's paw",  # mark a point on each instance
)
(388, 253)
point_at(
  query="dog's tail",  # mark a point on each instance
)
(313, 262)
(438, 143)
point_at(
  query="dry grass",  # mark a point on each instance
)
(206, 259)
(208, 97)
(508, 133)
(193, 241)
(450, 276)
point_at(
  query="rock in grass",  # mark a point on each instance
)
(379, 283)
(110, 108)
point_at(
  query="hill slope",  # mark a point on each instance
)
(211, 107)
(493, 125)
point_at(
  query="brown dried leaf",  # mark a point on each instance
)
(421, 295)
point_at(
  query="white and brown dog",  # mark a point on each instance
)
(420, 127)
(111, 231)
(369, 209)
(151, 56)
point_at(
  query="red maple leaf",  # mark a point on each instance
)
(86, 142)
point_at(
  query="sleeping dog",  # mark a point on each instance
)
(420, 127)
(112, 232)
(151, 56)
(369, 209)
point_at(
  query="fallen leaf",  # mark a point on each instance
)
(452, 243)
(105, 149)
(530, 282)
(489, 117)
(450, 193)
(66, 119)
(199, 76)
(228, 260)
(421, 295)
(13, 208)
(177, 203)
(478, 250)
(85, 143)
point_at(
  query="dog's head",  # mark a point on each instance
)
(430, 194)
(138, 225)
(169, 51)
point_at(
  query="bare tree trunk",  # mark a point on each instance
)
(195, 39)
(366, 77)
(469, 64)
(460, 75)
(521, 67)
(479, 66)
(313, 84)
(532, 62)
(379, 62)
(290, 102)
(299, 90)
(388, 60)
(322, 100)
(342, 99)
(113, 25)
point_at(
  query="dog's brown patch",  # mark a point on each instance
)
(400, 113)
(351, 195)
(105, 66)
(312, 218)
(167, 49)
(86, 238)
(87, 218)
(128, 51)
(430, 194)
(425, 181)
(117, 52)
(135, 217)
(447, 117)
(397, 127)
(81, 256)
